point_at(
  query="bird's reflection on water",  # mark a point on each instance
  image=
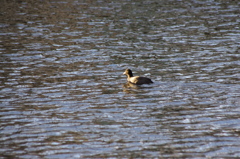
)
(133, 88)
(130, 85)
(130, 88)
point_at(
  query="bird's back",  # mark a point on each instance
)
(140, 80)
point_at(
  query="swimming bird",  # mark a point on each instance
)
(136, 79)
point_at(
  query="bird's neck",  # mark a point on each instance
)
(129, 75)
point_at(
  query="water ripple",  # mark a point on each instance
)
(63, 95)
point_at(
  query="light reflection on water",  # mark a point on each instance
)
(63, 94)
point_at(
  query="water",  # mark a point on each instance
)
(63, 94)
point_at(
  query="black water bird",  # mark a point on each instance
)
(136, 79)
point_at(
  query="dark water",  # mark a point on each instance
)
(63, 94)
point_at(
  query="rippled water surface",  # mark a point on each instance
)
(63, 95)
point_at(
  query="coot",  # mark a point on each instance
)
(136, 79)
